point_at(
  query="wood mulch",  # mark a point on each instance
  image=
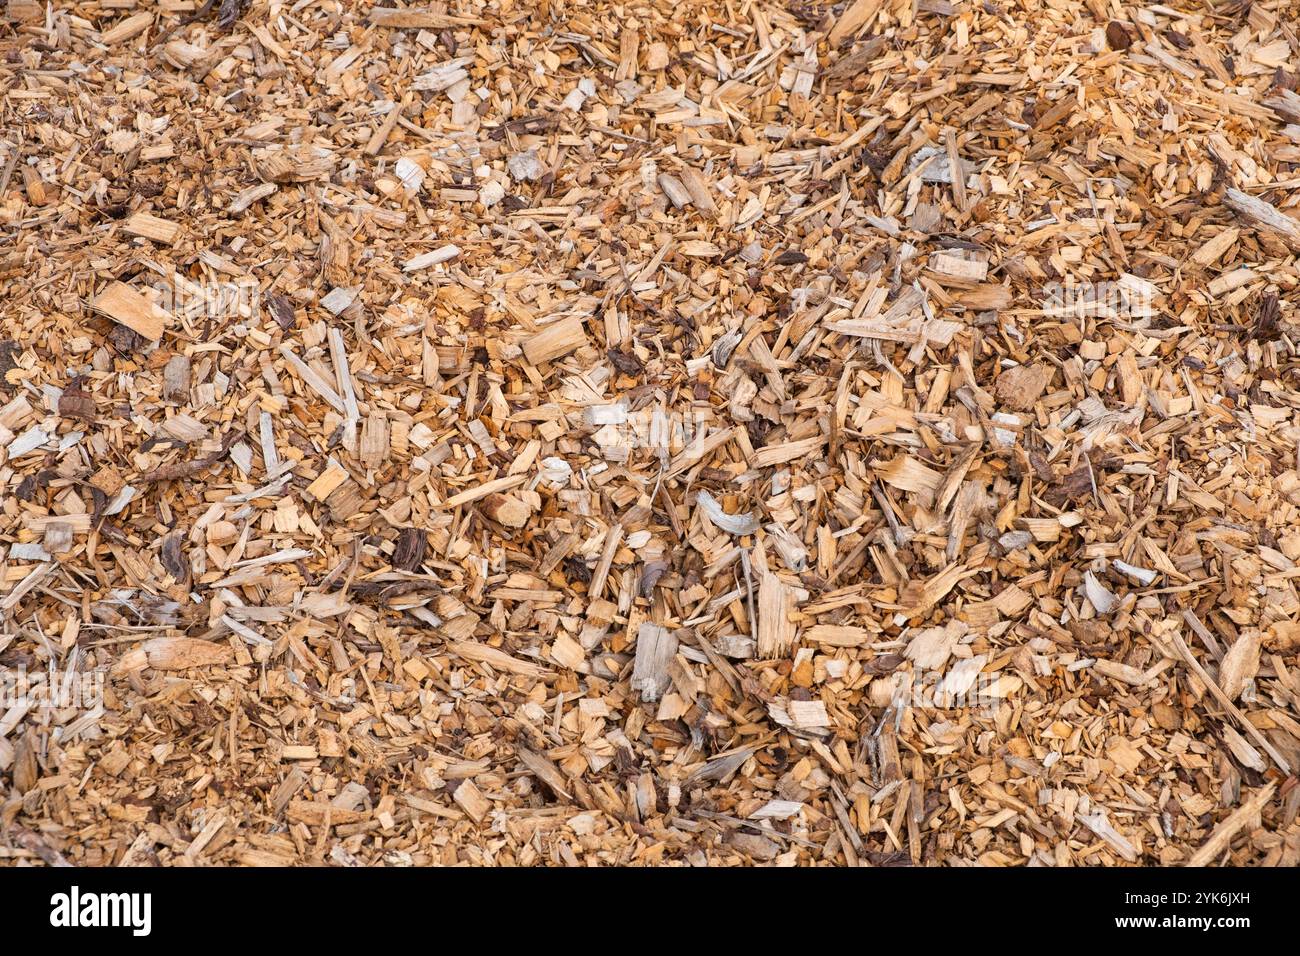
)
(580, 433)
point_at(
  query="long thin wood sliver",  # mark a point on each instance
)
(1218, 842)
(1227, 703)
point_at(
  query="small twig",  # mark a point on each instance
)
(186, 469)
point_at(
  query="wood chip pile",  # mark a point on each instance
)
(578, 433)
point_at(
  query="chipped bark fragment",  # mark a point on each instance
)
(409, 551)
(1117, 36)
(76, 402)
(281, 310)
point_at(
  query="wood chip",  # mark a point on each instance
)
(128, 307)
(556, 340)
(575, 434)
(152, 227)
